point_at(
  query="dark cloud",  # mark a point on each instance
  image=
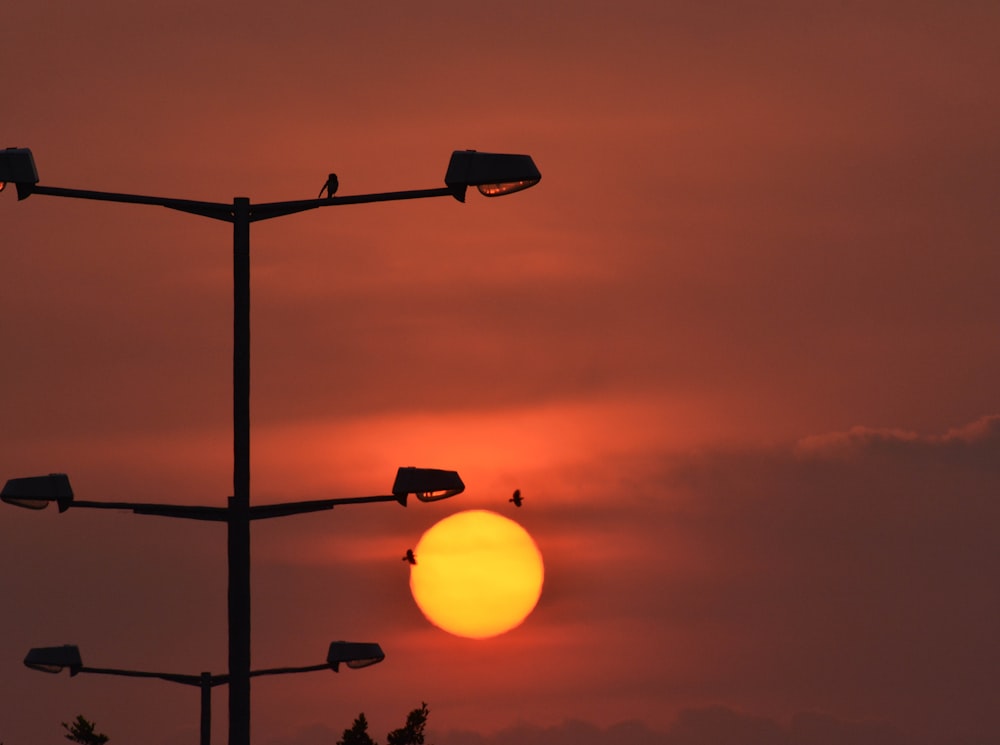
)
(853, 572)
(702, 726)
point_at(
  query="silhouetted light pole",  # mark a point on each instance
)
(67, 656)
(494, 174)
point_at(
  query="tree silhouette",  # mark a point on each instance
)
(357, 734)
(82, 731)
(411, 733)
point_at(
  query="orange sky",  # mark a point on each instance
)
(737, 350)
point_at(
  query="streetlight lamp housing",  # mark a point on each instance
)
(17, 166)
(54, 659)
(354, 654)
(494, 174)
(35, 492)
(426, 484)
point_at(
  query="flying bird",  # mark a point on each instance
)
(410, 558)
(516, 499)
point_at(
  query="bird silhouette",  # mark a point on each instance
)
(410, 558)
(516, 499)
(330, 187)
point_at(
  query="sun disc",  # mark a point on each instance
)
(478, 574)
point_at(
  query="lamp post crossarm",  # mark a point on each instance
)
(287, 670)
(193, 512)
(222, 514)
(224, 212)
(192, 680)
(214, 210)
(199, 680)
(268, 210)
(282, 509)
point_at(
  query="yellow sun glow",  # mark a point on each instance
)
(478, 574)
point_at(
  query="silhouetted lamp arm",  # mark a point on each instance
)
(36, 492)
(494, 174)
(67, 657)
(426, 484)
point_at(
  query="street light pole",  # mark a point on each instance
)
(205, 718)
(494, 174)
(238, 544)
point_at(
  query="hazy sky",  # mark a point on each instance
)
(738, 350)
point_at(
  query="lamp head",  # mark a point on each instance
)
(494, 174)
(35, 492)
(426, 484)
(354, 654)
(17, 166)
(54, 659)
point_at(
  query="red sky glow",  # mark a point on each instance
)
(738, 350)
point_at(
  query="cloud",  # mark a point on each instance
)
(701, 726)
(852, 572)
(857, 570)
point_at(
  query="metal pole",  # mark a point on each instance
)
(239, 503)
(206, 708)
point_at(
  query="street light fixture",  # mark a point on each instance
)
(354, 654)
(494, 174)
(18, 167)
(427, 484)
(35, 492)
(56, 659)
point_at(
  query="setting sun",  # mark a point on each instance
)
(477, 574)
